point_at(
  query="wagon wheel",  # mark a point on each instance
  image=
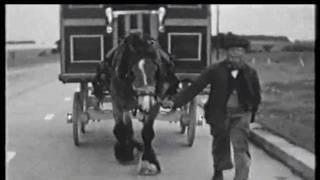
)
(84, 120)
(76, 117)
(182, 126)
(82, 128)
(191, 131)
(184, 119)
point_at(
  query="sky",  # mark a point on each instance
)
(41, 22)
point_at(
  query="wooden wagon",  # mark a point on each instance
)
(88, 32)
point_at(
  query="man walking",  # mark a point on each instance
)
(234, 96)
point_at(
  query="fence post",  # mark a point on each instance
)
(253, 60)
(301, 61)
(269, 61)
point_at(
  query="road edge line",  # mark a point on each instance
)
(281, 149)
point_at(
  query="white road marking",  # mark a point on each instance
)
(48, 117)
(10, 155)
(301, 61)
(67, 98)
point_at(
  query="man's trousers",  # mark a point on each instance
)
(236, 130)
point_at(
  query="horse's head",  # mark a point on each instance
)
(140, 65)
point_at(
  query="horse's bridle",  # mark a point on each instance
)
(116, 55)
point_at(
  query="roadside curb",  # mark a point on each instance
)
(299, 160)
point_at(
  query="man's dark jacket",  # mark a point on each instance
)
(218, 76)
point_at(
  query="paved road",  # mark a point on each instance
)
(39, 143)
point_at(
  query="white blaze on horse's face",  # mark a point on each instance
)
(144, 77)
(141, 67)
(145, 83)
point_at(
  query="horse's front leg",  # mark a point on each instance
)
(123, 131)
(149, 164)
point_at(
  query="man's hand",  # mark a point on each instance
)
(167, 103)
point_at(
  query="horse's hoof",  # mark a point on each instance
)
(124, 152)
(147, 169)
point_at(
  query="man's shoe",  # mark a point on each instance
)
(218, 175)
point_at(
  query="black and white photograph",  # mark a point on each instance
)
(160, 91)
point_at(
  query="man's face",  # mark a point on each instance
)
(235, 53)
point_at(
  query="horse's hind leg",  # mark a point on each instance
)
(149, 165)
(123, 132)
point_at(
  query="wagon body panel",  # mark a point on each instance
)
(187, 36)
(85, 42)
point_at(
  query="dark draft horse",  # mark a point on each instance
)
(138, 74)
